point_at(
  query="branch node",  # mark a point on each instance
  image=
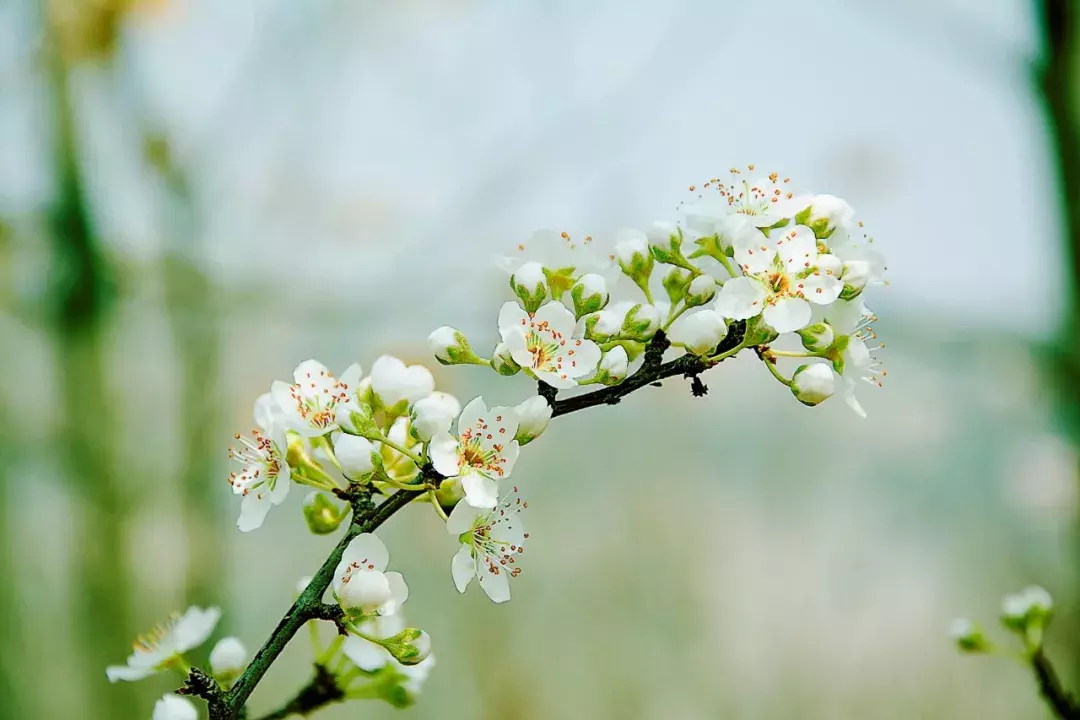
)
(199, 684)
(548, 392)
(697, 387)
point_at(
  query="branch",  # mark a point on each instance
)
(368, 516)
(1050, 688)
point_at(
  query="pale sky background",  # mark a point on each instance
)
(367, 132)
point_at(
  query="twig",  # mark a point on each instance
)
(367, 517)
(1050, 688)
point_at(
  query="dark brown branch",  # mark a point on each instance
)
(323, 690)
(1059, 700)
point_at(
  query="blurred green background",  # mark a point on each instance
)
(195, 195)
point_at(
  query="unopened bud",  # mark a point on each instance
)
(502, 362)
(635, 259)
(321, 514)
(602, 326)
(700, 332)
(409, 647)
(817, 337)
(825, 214)
(174, 707)
(1029, 609)
(228, 658)
(701, 291)
(451, 347)
(533, 416)
(530, 285)
(813, 384)
(589, 293)
(357, 455)
(677, 282)
(433, 415)
(641, 322)
(665, 243)
(613, 366)
(856, 273)
(366, 591)
(968, 636)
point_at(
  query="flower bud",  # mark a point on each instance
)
(450, 347)
(366, 591)
(613, 366)
(1030, 608)
(321, 514)
(602, 326)
(433, 415)
(589, 293)
(665, 243)
(825, 214)
(817, 337)
(174, 707)
(409, 647)
(356, 455)
(397, 385)
(676, 282)
(968, 636)
(635, 259)
(813, 384)
(641, 322)
(530, 285)
(856, 274)
(228, 658)
(701, 291)
(700, 332)
(502, 362)
(533, 416)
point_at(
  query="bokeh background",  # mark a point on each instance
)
(195, 195)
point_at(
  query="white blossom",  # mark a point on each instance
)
(310, 402)
(264, 477)
(229, 656)
(826, 214)
(813, 383)
(490, 541)
(354, 453)
(702, 289)
(160, 647)
(698, 332)
(851, 319)
(174, 707)
(394, 382)
(361, 583)
(483, 453)
(433, 415)
(557, 250)
(614, 365)
(533, 417)
(726, 209)
(543, 343)
(782, 277)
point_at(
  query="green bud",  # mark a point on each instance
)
(451, 347)
(711, 246)
(502, 362)
(635, 259)
(701, 290)
(559, 280)
(817, 337)
(641, 322)
(409, 647)
(529, 283)
(968, 636)
(361, 421)
(590, 294)
(676, 283)
(602, 326)
(321, 514)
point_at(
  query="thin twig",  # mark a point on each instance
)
(1050, 688)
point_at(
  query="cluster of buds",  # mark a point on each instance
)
(1026, 614)
(749, 254)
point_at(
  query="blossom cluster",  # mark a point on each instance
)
(1026, 614)
(748, 265)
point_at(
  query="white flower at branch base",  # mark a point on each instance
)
(813, 384)
(397, 385)
(228, 658)
(533, 416)
(543, 343)
(311, 400)
(491, 541)
(483, 453)
(161, 647)
(264, 478)
(699, 332)
(433, 415)
(360, 583)
(174, 707)
(451, 347)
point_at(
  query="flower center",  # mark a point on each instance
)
(779, 283)
(543, 353)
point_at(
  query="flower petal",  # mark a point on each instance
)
(495, 583)
(462, 518)
(253, 509)
(471, 414)
(195, 627)
(368, 551)
(797, 248)
(127, 673)
(443, 450)
(480, 490)
(585, 358)
(788, 314)
(512, 317)
(399, 593)
(754, 252)
(557, 318)
(462, 568)
(740, 299)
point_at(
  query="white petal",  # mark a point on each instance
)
(754, 252)
(351, 378)
(368, 551)
(788, 315)
(471, 414)
(480, 490)
(462, 518)
(562, 381)
(195, 627)
(365, 654)
(309, 368)
(740, 299)
(443, 450)
(399, 593)
(462, 568)
(127, 673)
(517, 346)
(253, 509)
(585, 358)
(851, 400)
(281, 486)
(509, 456)
(268, 413)
(557, 317)
(797, 248)
(496, 585)
(512, 317)
(821, 289)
